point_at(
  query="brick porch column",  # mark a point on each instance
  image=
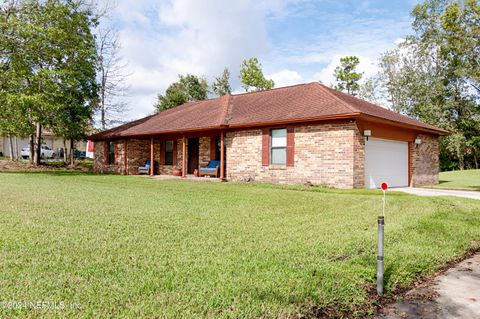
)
(184, 158)
(151, 157)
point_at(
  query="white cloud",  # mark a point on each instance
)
(163, 38)
(285, 78)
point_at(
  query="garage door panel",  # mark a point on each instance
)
(386, 161)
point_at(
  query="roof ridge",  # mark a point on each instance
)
(272, 89)
(326, 89)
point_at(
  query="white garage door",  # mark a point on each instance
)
(386, 161)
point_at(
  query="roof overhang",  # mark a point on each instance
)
(356, 116)
(436, 131)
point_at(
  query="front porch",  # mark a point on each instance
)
(188, 177)
(169, 155)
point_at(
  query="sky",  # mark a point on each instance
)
(296, 41)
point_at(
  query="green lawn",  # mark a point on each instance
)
(465, 180)
(132, 247)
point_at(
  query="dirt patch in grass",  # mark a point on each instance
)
(80, 165)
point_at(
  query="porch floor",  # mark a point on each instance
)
(188, 177)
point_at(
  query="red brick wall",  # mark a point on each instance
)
(323, 154)
(425, 161)
(326, 154)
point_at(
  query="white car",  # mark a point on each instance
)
(46, 152)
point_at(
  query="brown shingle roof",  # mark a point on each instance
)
(371, 109)
(287, 104)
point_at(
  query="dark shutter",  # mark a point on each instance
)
(213, 148)
(174, 152)
(162, 153)
(105, 152)
(290, 145)
(115, 154)
(265, 147)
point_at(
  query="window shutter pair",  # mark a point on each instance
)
(290, 146)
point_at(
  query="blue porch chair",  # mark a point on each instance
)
(145, 169)
(211, 170)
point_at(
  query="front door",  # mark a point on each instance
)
(193, 154)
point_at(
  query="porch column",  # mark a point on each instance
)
(151, 157)
(222, 155)
(184, 158)
(125, 167)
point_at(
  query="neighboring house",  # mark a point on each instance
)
(49, 139)
(297, 134)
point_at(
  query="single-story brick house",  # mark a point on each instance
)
(297, 134)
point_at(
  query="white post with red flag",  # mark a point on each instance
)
(381, 239)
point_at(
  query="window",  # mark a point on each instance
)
(111, 153)
(168, 152)
(278, 149)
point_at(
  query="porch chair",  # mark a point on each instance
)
(145, 169)
(211, 170)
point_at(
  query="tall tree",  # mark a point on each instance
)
(51, 54)
(221, 86)
(78, 81)
(346, 75)
(188, 88)
(252, 77)
(15, 101)
(431, 76)
(112, 79)
(371, 90)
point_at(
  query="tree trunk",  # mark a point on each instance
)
(16, 148)
(38, 150)
(103, 120)
(65, 154)
(10, 144)
(72, 153)
(475, 158)
(32, 148)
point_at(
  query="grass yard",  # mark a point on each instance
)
(131, 247)
(463, 180)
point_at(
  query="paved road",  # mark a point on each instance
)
(454, 294)
(438, 192)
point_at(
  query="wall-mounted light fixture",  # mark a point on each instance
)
(367, 134)
(418, 141)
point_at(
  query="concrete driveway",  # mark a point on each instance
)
(454, 294)
(438, 192)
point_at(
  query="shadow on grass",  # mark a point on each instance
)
(464, 187)
(321, 189)
(52, 173)
(297, 187)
